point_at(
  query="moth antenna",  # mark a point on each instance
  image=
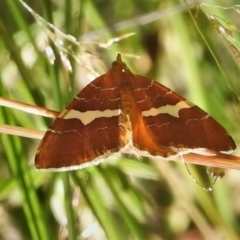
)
(207, 189)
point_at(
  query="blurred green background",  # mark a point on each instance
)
(194, 52)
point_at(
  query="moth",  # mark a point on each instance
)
(121, 111)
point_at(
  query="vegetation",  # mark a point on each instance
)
(48, 54)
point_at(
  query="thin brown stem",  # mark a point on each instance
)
(21, 132)
(220, 160)
(28, 108)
